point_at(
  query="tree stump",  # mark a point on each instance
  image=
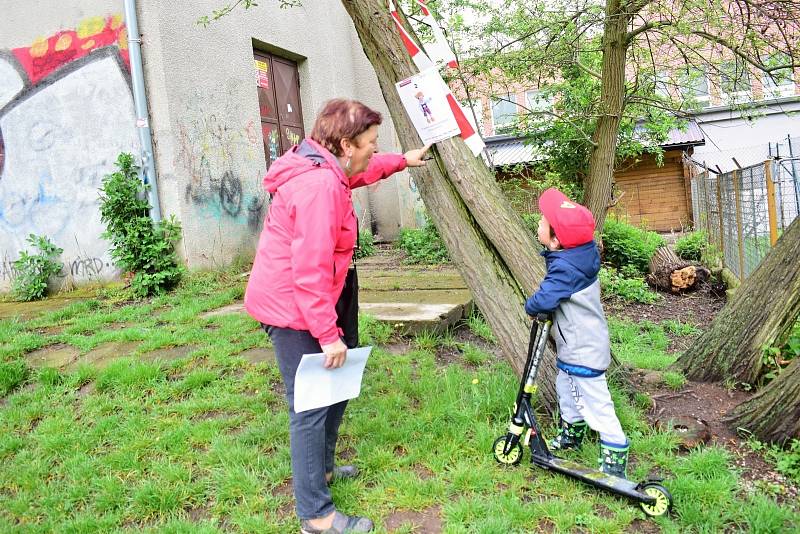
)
(668, 272)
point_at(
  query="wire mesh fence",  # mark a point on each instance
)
(744, 211)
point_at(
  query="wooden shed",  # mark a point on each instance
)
(659, 196)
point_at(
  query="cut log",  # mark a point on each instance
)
(670, 273)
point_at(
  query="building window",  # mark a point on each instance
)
(538, 102)
(778, 82)
(734, 80)
(694, 87)
(278, 85)
(504, 113)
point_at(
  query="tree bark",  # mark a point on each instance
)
(773, 414)
(598, 183)
(489, 243)
(765, 307)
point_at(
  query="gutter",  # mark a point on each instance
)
(147, 169)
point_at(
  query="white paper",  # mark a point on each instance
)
(424, 97)
(315, 386)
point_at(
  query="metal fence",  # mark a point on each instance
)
(745, 211)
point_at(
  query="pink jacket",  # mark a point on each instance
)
(308, 239)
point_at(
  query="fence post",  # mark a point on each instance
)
(737, 174)
(771, 208)
(705, 199)
(721, 219)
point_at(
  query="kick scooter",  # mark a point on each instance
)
(653, 498)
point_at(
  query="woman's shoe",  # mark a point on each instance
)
(342, 472)
(342, 524)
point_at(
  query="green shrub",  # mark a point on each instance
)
(625, 244)
(630, 289)
(34, 270)
(531, 221)
(423, 245)
(138, 246)
(692, 246)
(366, 245)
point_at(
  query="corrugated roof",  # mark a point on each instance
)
(508, 150)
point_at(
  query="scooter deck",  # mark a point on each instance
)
(621, 486)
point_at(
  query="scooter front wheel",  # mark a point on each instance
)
(513, 457)
(663, 500)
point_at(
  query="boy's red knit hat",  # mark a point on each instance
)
(572, 223)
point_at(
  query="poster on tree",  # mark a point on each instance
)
(424, 97)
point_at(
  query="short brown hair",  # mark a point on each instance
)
(342, 119)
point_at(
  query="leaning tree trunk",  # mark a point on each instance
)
(488, 241)
(773, 414)
(765, 306)
(597, 185)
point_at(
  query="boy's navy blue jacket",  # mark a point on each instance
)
(571, 292)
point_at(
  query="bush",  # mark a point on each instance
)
(138, 245)
(366, 245)
(627, 288)
(691, 247)
(423, 245)
(34, 270)
(628, 245)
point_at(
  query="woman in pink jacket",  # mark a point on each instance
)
(298, 275)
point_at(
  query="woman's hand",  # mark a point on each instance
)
(335, 354)
(414, 157)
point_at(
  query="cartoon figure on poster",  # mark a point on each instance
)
(424, 97)
(424, 107)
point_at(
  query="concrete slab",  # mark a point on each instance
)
(236, 307)
(101, 356)
(411, 318)
(53, 356)
(258, 355)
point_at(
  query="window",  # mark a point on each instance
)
(278, 85)
(538, 102)
(734, 79)
(694, 86)
(778, 82)
(504, 112)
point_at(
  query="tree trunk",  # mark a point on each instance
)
(597, 185)
(773, 414)
(670, 273)
(490, 245)
(765, 307)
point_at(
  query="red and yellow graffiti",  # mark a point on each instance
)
(47, 54)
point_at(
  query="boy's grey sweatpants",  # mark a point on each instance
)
(588, 399)
(313, 433)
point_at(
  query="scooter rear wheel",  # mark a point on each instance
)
(663, 500)
(513, 457)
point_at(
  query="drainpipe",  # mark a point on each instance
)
(148, 167)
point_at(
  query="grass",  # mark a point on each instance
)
(200, 444)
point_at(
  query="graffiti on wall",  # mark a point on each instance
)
(66, 112)
(213, 152)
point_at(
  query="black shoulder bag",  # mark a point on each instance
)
(347, 305)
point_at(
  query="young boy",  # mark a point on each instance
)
(571, 292)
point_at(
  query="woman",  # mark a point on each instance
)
(299, 271)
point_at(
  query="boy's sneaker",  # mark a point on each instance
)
(571, 436)
(342, 524)
(613, 460)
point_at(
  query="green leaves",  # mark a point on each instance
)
(33, 270)
(423, 245)
(137, 245)
(628, 245)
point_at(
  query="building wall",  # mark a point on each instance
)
(66, 112)
(655, 196)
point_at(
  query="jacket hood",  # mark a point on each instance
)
(300, 159)
(584, 258)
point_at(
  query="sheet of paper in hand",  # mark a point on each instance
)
(424, 96)
(315, 386)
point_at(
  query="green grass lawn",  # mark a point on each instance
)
(200, 444)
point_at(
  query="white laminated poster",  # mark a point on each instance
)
(424, 97)
(315, 386)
